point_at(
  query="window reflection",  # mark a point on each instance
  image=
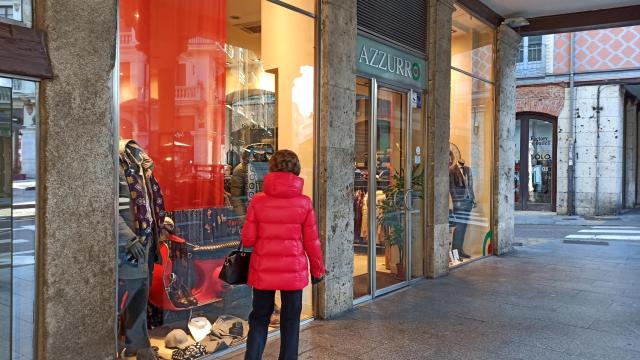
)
(17, 216)
(18, 10)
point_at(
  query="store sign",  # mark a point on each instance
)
(382, 61)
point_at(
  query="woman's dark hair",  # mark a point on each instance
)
(285, 161)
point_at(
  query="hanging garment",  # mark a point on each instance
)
(358, 202)
(144, 214)
(380, 197)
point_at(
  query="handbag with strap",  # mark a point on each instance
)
(235, 270)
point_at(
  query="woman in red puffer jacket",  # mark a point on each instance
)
(281, 227)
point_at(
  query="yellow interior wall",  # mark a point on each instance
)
(288, 46)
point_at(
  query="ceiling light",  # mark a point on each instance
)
(516, 22)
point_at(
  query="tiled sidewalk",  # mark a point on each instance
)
(546, 301)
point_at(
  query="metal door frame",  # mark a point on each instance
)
(372, 169)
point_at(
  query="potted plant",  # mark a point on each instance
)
(392, 214)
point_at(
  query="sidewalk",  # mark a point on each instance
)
(627, 217)
(547, 301)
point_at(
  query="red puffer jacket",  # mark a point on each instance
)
(281, 227)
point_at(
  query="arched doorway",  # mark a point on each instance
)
(535, 165)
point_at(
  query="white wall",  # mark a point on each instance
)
(599, 158)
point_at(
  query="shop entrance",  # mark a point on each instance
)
(388, 188)
(535, 165)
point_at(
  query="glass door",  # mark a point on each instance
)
(361, 249)
(388, 243)
(534, 187)
(390, 230)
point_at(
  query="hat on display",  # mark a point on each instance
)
(176, 339)
(199, 327)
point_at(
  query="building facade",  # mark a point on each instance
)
(577, 131)
(400, 127)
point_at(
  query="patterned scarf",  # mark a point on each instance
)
(147, 203)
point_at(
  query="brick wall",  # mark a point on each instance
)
(545, 99)
(599, 50)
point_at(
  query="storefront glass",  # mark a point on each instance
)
(540, 161)
(209, 90)
(471, 144)
(18, 132)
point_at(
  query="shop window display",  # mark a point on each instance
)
(209, 90)
(471, 140)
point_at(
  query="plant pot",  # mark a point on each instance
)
(400, 274)
(387, 257)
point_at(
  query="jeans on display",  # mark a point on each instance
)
(461, 211)
(133, 296)
(263, 305)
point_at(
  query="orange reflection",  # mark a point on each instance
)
(172, 94)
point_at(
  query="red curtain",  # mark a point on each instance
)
(172, 94)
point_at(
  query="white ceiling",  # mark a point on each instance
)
(535, 8)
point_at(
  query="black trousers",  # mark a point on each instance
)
(263, 304)
(133, 295)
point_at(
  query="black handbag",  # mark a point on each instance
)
(235, 269)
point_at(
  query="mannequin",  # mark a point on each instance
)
(139, 226)
(239, 186)
(463, 199)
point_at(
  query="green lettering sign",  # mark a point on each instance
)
(382, 61)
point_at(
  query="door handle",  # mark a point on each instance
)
(407, 200)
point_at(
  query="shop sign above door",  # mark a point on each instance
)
(383, 61)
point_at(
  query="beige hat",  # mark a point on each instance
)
(176, 339)
(199, 327)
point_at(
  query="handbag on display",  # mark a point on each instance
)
(235, 270)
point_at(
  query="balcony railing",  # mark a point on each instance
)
(188, 93)
(533, 62)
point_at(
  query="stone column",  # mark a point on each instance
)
(630, 152)
(76, 248)
(504, 148)
(438, 126)
(336, 131)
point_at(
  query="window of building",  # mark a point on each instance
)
(471, 138)
(209, 90)
(6, 11)
(16, 11)
(534, 48)
(530, 49)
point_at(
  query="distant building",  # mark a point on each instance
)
(576, 146)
